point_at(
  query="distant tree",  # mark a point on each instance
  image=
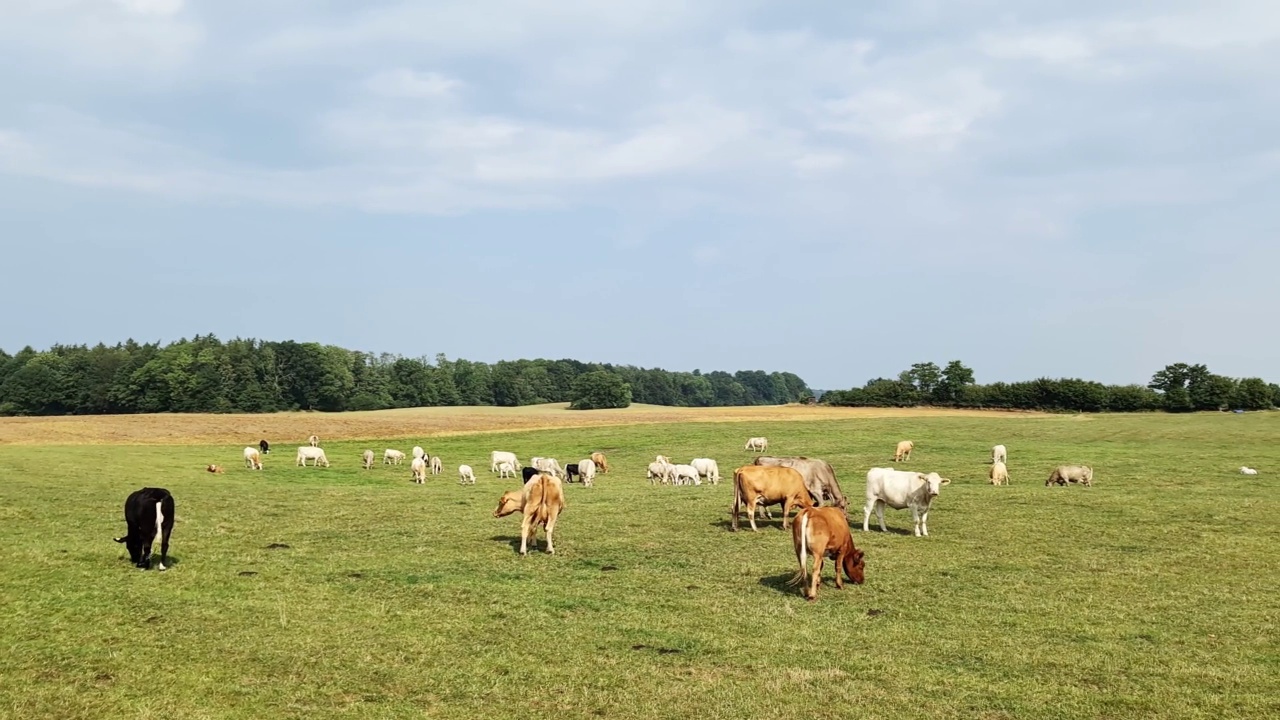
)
(600, 389)
(1252, 394)
(924, 377)
(951, 385)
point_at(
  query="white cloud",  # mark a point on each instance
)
(161, 8)
(938, 111)
(406, 83)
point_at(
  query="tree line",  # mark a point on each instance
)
(1177, 388)
(204, 374)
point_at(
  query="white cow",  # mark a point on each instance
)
(999, 474)
(315, 454)
(686, 475)
(313, 441)
(437, 465)
(465, 475)
(394, 457)
(708, 468)
(660, 471)
(1247, 470)
(587, 470)
(498, 456)
(252, 459)
(663, 459)
(506, 469)
(999, 454)
(418, 451)
(549, 466)
(367, 460)
(757, 443)
(901, 489)
(419, 469)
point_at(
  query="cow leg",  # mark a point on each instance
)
(751, 513)
(164, 547)
(924, 522)
(818, 552)
(144, 562)
(524, 535)
(880, 515)
(786, 513)
(915, 515)
(551, 526)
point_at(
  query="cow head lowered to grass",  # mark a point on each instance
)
(148, 512)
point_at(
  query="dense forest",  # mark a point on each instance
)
(205, 374)
(1177, 388)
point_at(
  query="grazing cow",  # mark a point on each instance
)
(901, 489)
(999, 454)
(903, 453)
(771, 485)
(506, 470)
(570, 471)
(528, 473)
(148, 512)
(663, 459)
(366, 460)
(757, 443)
(1247, 470)
(685, 475)
(313, 441)
(418, 451)
(252, 459)
(587, 468)
(707, 468)
(314, 454)
(437, 465)
(419, 469)
(541, 500)
(602, 463)
(1064, 474)
(824, 531)
(393, 457)
(819, 477)
(265, 447)
(465, 475)
(216, 469)
(999, 474)
(498, 456)
(549, 466)
(660, 471)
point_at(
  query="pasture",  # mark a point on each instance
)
(302, 593)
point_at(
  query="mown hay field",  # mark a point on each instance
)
(304, 593)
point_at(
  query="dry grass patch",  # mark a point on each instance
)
(291, 427)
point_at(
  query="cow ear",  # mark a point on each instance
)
(946, 481)
(120, 539)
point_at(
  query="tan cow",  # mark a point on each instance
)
(770, 485)
(824, 532)
(601, 463)
(903, 453)
(419, 469)
(366, 460)
(217, 469)
(1064, 474)
(252, 458)
(999, 474)
(313, 441)
(541, 500)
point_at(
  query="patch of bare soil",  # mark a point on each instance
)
(198, 429)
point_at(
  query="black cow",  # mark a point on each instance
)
(265, 447)
(570, 471)
(528, 473)
(149, 512)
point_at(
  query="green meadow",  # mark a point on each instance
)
(304, 593)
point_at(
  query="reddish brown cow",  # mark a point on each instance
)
(601, 462)
(755, 485)
(541, 500)
(824, 532)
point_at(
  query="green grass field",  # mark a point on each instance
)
(304, 593)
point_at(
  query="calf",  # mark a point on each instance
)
(252, 458)
(824, 531)
(148, 512)
(216, 469)
(999, 474)
(570, 472)
(901, 489)
(419, 469)
(366, 460)
(1246, 470)
(999, 454)
(770, 485)
(541, 500)
(587, 468)
(465, 475)
(660, 471)
(528, 473)
(685, 475)
(903, 453)
(313, 441)
(394, 457)
(265, 447)
(437, 465)
(505, 469)
(498, 456)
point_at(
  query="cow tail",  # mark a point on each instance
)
(801, 526)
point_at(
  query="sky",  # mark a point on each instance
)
(1062, 189)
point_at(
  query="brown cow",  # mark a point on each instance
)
(819, 477)
(755, 485)
(541, 500)
(824, 532)
(214, 469)
(601, 464)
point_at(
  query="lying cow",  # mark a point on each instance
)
(1246, 470)
(148, 512)
(1064, 474)
(756, 484)
(541, 500)
(901, 489)
(819, 477)
(824, 531)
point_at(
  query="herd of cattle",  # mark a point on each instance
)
(797, 483)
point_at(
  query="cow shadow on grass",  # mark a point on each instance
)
(745, 525)
(514, 542)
